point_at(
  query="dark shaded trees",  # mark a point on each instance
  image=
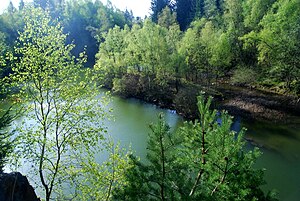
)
(87, 20)
(10, 24)
(184, 13)
(157, 6)
(84, 21)
(190, 10)
(79, 20)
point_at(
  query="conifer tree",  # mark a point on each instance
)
(153, 181)
(160, 148)
(21, 5)
(210, 8)
(204, 160)
(157, 6)
(198, 9)
(11, 9)
(184, 10)
(166, 18)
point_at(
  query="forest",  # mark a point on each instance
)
(56, 54)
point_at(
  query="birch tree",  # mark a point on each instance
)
(64, 115)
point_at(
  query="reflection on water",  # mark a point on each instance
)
(132, 119)
(280, 145)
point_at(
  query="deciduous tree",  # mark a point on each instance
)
(166, 18)
(279, 43)
(61, 102)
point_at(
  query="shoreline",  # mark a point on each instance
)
(248, 103)
(263, 106)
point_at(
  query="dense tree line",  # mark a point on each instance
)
(84, 21)
(242, 35)
(243, 42)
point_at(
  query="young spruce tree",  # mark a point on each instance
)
(216, 162)
(153, 180)
(204, 160)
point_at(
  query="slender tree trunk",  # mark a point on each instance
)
(177, 79)
(58, 152)
(112, 179)
(223, 177)
(203, 161)
(43, 120)
(162, 190)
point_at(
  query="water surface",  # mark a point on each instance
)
(280, 144)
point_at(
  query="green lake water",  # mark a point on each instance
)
(280, 143)
(280, 156)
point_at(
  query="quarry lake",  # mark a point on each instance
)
(279, 143)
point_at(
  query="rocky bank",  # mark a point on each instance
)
(15, 187)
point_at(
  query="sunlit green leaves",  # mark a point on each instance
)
(63, 107)
(207, 50)
(98, 180)
(150, 51)
(279, 42)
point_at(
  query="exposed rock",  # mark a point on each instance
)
(15, 187)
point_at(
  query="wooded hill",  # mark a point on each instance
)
(245, 41)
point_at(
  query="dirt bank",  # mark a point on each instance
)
(245, 102)
(256, 104)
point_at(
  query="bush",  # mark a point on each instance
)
(244, 76)
(127, 86)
